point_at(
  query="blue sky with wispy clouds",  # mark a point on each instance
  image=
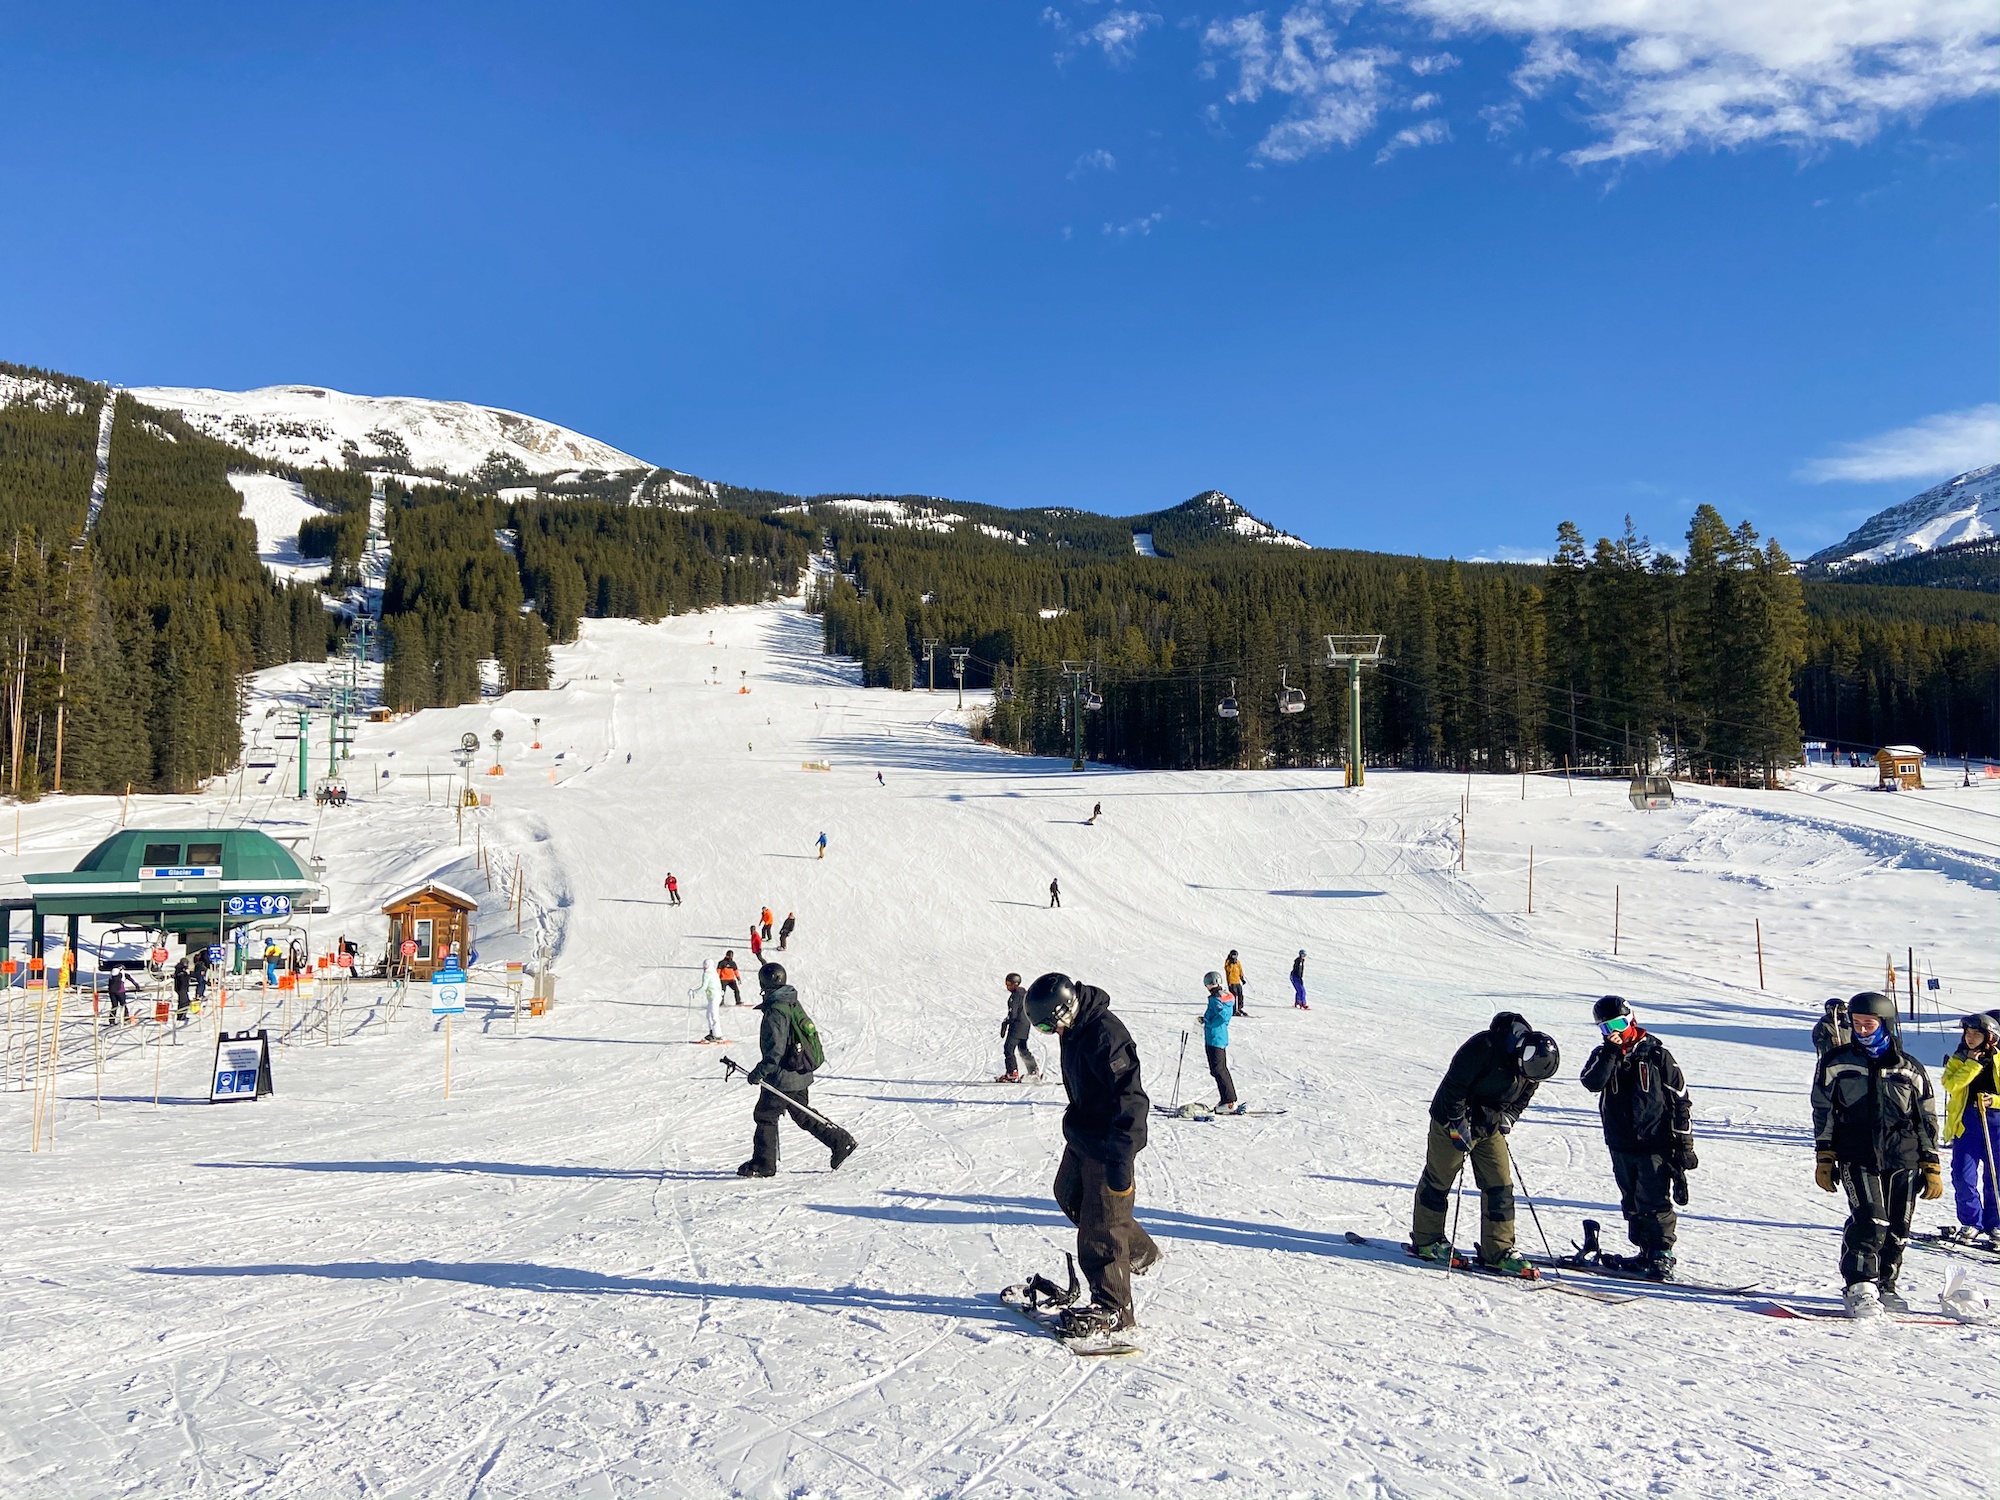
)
(1425, 275)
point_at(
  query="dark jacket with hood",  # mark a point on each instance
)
(1876, 1113)
(1482, 1086)
(1015, 1027)
(786, 1064)
(1641, 1096)
(1108, 1107)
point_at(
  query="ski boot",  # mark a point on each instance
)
(1091, 1320)
(756, 1169)
(842, 1149)
(1008, 1077)
(1890, 1300)
(1438, 1252)
(1862, 1301)
(1989, 1240)
(1238, 1108)
(1513, 1263)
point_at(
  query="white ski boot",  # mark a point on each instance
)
(1862, 1301)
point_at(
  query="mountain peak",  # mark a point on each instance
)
(1965, 509)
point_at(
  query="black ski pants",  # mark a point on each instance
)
(1110, 1243)
(734, 989)
(1645, 1197)
(1017, 1046)
(773, 1107)
(1236, 994)
(1218, 1069)
(1879, 1205)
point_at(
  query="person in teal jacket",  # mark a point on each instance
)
(1215, 1042)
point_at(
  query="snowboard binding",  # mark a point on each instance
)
(1039, 1294)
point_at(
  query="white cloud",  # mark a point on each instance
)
(1934, 448)
(1116, 36)
(1430, 133)
(1098, 160)
(1652, 77)
(1142, 226)
(1336, 93)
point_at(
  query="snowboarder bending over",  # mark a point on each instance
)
(791, 1055)
(1491, 1080)
(1215, 1020)
(1643, 1103)
(1972, 1125)
(1104, 1130)
(1014, 1034)
(1876, 1136)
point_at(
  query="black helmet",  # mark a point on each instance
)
(1874, 1003)
(1536, 1056)
(771, 977)
(1052, 1002)
(1610, 1008)
(1834, 1003)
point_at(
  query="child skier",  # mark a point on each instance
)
(1972, 1125)
(1299, 982)
(1215, 1042)
(1643, 1103)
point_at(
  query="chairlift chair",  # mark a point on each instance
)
(1227, 709)
(1290, 699)
(1093, 701)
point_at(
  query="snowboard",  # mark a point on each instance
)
(1615, 1273)
(1209, 1112)
(1786, 1310)
(1534, 1283)
(1103, 1346)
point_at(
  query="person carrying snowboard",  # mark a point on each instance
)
(710, 990)
(785, 932)
(1491, 1080)
(1643, 1103)
(1055, 893)
(1232, 975)
(791, 1054)
(765, 919)
(1875, 1135)
(673, 890)
(1972, 1125)
(1014, 1035)
(731, 978)
(1299, 982)
(1215, 1020)
(1104, 1130)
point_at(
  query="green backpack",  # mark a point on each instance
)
(805, 1054)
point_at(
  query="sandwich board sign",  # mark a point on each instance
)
(242, 1067)
(448, 992)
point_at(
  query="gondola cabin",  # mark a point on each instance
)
(433, 919)
(1651, 793)
(1899, 768)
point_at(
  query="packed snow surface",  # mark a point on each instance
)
(1965, 509)
(555, 1284)
(276, 507)
(309, 425)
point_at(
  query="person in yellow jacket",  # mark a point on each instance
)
(1232, 975)
(1972, 1126)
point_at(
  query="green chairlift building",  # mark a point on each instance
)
(202, 883)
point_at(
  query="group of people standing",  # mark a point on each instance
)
(760, 933)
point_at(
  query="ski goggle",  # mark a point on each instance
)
(1616, 1026)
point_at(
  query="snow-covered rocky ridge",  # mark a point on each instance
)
(1965, 509)
(1225, 514)
(309, 425)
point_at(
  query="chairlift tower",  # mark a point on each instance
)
(930, 662)
(958, 656)
(1075, 674)
(1354, 650)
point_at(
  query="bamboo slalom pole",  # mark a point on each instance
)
(1760, 951)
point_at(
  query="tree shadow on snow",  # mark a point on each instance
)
(521, 1276)
(475, 1169)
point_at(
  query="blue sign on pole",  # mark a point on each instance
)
(448, 992)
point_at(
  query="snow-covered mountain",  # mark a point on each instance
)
(309, 425)
(1965, 509)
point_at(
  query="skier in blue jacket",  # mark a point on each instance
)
(1215, 1042)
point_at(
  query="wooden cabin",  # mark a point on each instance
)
(1899, 766)
(437, 918)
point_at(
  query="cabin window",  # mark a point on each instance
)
(422, 932)
(162, 854)
(204, 854)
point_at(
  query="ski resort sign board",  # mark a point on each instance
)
(242, 1067)
(448, 992)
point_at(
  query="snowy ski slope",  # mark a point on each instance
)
(555, 1284)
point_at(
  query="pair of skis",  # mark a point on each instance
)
(1210, 1112)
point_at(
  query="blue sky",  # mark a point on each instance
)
(1417, 275)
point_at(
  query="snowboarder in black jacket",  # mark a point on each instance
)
(787, 1065)
(1014, 1035)
(1647, 1115)
(1875, 1130)
(1104, 1130)
(1491, 1080)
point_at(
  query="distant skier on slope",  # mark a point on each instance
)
(1875, 1134)
(1643, 1103)
(1104, 1130)
(791, 1054)
(1096, 812)
(756, 945)
(1299, 982)
(1972, 1126)
(785, 932)
(764, 919)
(1014, 1035)
(1215, 1020)
(822, 846)
(1232, 975)
(710, 990)
(727, 972)
(673, 890)
(1055, 893)
(1491, 1080)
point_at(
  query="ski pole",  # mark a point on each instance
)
(1528, 1198)
(1986, 1140)
(1458, 1205)
(1177, 1073)
(731, 1065)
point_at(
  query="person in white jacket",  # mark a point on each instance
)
(710, 990)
